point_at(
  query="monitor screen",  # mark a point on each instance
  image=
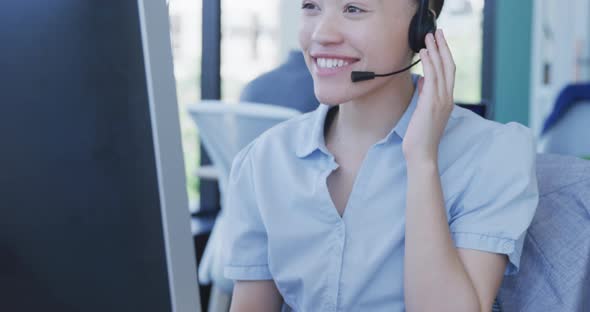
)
(93, 206)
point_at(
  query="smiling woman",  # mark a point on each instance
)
(387, 197)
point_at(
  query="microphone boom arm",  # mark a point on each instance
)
(357, 76)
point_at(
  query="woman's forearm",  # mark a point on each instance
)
(434, 276)
(256, 296)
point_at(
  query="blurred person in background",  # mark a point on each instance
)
(289, 85)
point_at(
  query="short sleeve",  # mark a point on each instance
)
(245, 235)
(499, 202)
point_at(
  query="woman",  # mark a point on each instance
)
(388, 197)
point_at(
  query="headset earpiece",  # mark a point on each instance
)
(423, 22)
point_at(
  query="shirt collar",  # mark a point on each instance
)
(314, 139)
(313, 134)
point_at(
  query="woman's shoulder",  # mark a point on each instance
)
(473, 141)
(288, 128)
(478, 154)
(281, 139)
(469, 126)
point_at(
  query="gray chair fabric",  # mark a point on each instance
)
(555, 264)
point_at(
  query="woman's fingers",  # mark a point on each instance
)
(435, 58)
(447, 59)
(420, 85)
(430, 85)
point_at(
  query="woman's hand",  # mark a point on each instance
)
(435, 102)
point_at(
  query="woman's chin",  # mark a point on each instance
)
(331, 99)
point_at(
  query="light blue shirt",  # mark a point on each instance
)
(284, 226)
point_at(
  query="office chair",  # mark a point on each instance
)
(225, 129)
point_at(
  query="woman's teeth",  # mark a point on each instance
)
(331, 63)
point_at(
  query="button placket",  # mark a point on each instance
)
(340, 234)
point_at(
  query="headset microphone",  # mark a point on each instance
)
(357, 76)
(423, 22)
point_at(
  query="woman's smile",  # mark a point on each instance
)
(326, 65)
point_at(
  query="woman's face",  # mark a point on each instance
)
(341, 36)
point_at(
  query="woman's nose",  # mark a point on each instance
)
(327, 31)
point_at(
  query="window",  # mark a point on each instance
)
(462, 22)
(185, 30)
(250, 43)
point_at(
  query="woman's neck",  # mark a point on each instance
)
(364, 121)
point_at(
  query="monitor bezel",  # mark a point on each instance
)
(161, 86)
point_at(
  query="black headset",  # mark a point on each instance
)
(423, 22)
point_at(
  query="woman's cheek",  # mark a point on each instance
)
(305, 33)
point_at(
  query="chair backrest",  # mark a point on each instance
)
(555, 263)
(568, 135)
(226, 128)
(569, 96)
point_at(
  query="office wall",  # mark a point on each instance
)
(560, 53)
(513, 26)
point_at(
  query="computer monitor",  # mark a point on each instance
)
(93, 204)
